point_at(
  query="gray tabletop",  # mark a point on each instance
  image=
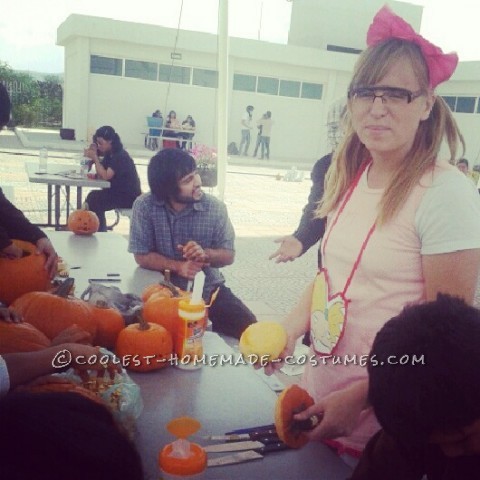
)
(221, 397)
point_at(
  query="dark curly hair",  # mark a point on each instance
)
(108, 133)
(441, 393)
(165, 169)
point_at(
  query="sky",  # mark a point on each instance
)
(28, 34)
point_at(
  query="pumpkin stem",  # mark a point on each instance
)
(167, 283)
(65, 287)
(166, 274)
(101, 303)
(142, 323)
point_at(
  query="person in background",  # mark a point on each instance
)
(63, 436)
(13, 223)
(259, 137)
(424, 386)
(179, 228)
(311, 228)
(246, 123)
(171, 125)
(118, 168)
(153, 133)
(402, 225)
(266, 123)
(463, 166)
(189, 126)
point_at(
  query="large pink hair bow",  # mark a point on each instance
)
(387, 25)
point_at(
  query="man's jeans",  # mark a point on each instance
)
(245, 141)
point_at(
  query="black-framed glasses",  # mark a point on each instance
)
(389, 95)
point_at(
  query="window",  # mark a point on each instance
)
(145, 70)
(465, 104)
(205, 78)
(312, 90)
(451, 102)
(106, 65)
(173, 74)
(268, 85)
(245, 83)
(289, 88)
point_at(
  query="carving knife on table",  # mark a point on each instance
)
(242, 452)
(260, 435)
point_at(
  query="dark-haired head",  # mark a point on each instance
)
(165, 170)
(63, 435)
(110, 135)
(442, 390)
(5, 106)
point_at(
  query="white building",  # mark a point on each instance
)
(117, 73)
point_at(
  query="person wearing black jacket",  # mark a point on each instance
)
(13, 223)
(311, 229)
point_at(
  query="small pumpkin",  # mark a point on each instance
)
(21, 337)
(23, 275)
(109, 324)
(52, 313)
(83, 221)
(141, 340)
(263, 341)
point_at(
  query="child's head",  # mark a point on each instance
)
(441, 391)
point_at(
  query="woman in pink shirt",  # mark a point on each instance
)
(402, 225)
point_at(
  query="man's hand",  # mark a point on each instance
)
(194, 252)
(11, 252)
(86, 354)
(189, 269)
(290, 248)
(45, 246)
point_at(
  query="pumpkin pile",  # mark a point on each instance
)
(21, 337)
(83, 221)
(22, 275)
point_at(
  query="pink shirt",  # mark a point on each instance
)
(389, 275)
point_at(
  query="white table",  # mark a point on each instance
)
(99, 254)
(56, 176)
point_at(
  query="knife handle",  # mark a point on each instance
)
(259, 434)
(272, 447)
(252, 429)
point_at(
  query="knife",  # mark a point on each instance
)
(233, 447)
(262, 436)
(270, 426)
(246, 455)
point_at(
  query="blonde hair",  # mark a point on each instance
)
(373, 64)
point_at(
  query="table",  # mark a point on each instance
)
(56, 176)
(99, 254)
(222, 398)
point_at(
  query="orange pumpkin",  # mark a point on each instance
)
(141, 340)
(51, 314)
(22, 275)
(83, 222)
(21, 337)
(109, 324)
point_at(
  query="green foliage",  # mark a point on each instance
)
(35, 103)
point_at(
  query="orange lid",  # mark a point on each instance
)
(195, 463)
(186, 306)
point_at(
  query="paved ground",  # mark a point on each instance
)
(260, 206)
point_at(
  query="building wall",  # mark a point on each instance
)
(299, 132)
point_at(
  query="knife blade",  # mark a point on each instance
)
(257, 435)
(239, 457)
(233, 447)
(270, 426)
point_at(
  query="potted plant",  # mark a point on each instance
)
(206, 158)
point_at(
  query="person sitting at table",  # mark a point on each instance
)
(156, 120)
(424, 386)
(402, 225)
(13, 223)
(59, 435)
(118, 168)
(170, 130)
(189, 126)
(178, 227)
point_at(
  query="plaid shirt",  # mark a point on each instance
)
(156, 228)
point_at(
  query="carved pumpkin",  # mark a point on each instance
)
(109, 324)
(83, 222)
(291, 401)
(21, 337)
(22, 275)
(141, 340)
(51, 313)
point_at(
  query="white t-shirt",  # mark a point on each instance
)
(441, 215)
(246, 120)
